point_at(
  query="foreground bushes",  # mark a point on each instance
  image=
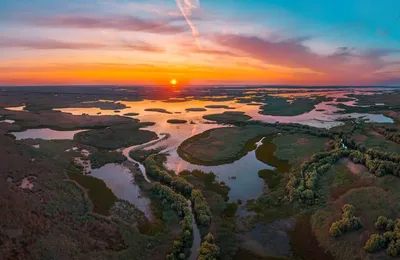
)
(201, 209)
(177, 183)
(181, 246)
(390, 239)
(347, 223)
(208, 249)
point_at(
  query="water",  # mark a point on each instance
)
(120, 180)
(19, 108)
(8, 121)
(246, 184)
(46, 134)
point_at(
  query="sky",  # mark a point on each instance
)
(200, 42)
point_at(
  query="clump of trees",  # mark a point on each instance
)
(103, 157)
(201, 209)
(391, 134)
(208, 249)
(157, 172)
(302, 186)
(181, 246)
(347, 223)
(390, 239)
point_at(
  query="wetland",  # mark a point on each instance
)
(261, 173)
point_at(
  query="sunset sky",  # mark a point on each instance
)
(232, 42)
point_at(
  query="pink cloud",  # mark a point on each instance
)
(122, 23)
(50, 44)
(344, 64)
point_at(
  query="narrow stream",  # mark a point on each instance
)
(127, 150)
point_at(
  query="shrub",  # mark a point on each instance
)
(208, 249)
(347, 223)
(375, 243)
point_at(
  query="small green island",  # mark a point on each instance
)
(176, 121)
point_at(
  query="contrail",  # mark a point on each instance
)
(186, 6)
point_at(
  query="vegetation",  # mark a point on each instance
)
(101, 196)
(219, 106)
(196, 109)
(201, 209)
(392, 134)
(222, 145)
(103, 157)
(208, 250)
(228, 117)
(176, 121)
(159, 110)
(347, 223)
(344, 99)
(131, 114)
(278, 106)
(181, 246)
(206, 182)
(117, 136)
(157, 172)
(389, 239)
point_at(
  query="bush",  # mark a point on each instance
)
(347, 223)
(375, 243)
(201, 209)
(208, 249)
(389, 239)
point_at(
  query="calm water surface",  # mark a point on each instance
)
(247, 184)
(120, 180)
(46, 134)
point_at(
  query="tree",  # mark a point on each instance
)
(208, 250)
(375, 243)
(381, 222)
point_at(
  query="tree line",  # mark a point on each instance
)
(181, 246)
(389, 133)
(302, 184)
(208, 249)
(177, 183)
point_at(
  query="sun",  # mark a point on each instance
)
(173, 82)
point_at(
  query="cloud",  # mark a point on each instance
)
(345, 63)
(50, 44)
(121, 23)
(46, 44)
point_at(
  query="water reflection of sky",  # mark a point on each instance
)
(46, 134)
(247, 184)
(120, 180)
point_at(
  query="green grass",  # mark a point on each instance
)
(101, 196)
(297, 147)
(266, 153)
(116, 136)
(370, 202)
(371, 139)
(221, 145)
